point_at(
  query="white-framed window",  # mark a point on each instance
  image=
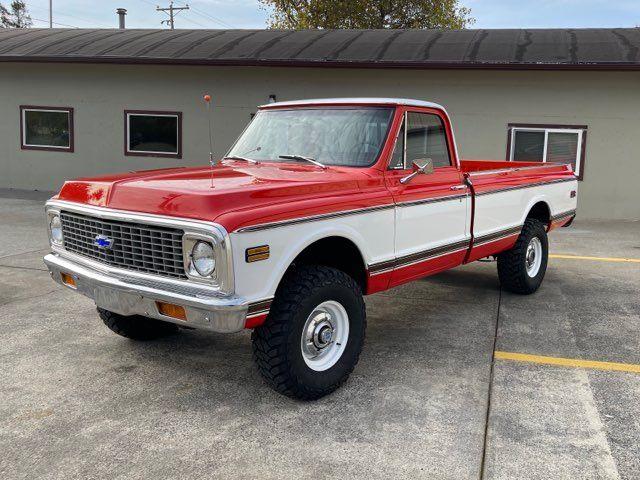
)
(46, 128)
(152, 133)
(548, 143)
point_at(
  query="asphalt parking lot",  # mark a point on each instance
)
(429, 398)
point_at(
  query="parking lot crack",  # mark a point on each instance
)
(23, 268)
(490, 389)
(14, 300)
(23, 253)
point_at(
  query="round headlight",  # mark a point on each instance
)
(56, 230)
(203, 258)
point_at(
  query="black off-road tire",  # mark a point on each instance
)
(136, 327)
(512, 269)
(277, 344)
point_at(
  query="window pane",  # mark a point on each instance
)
(398, 151)
(426, 138)
(151, 133)
(332, 136)
(528, 146)
(563, 148)
(47, 129)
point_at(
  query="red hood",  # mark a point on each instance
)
(229, 193)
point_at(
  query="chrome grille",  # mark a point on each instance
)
(135, 246)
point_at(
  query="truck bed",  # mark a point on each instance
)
(504, 192)
(484, 167)
(489, 175)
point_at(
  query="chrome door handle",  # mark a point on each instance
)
(458, 187)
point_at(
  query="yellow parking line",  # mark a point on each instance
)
(568, 362)
(600, 259)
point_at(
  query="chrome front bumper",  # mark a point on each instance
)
(130, 294)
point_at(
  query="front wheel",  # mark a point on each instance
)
(521, 269)
(313, 336)
(136, 327)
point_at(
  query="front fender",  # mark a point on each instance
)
(371, 233)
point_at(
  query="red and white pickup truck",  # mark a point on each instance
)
(318, 203)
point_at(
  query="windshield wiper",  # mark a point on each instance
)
(237, 157)
(307, 159)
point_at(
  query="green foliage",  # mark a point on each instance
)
(335, 14)
(16, 16)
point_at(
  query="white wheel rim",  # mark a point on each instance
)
(533, 257)
(325, 335)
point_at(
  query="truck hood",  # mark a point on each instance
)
(205, 193)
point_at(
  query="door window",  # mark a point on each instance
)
(397, 159)
(426, 138)
(422, 136)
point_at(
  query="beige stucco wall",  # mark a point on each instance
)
(481, 104)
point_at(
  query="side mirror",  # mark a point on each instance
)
(423, 165)
(420, 166)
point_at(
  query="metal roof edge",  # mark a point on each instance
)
(606, 66)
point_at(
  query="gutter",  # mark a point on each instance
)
(599, 66)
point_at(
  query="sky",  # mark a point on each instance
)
(249, 14)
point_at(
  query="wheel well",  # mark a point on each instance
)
(540, 211)
(336, 252)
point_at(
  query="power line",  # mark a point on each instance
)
(54, 23)
(197, 11)
(74, 17)
(194, 22)
(84, 20)
(210, 17)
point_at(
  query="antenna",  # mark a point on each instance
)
(207, 101)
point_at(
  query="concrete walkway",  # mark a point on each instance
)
(427, 399)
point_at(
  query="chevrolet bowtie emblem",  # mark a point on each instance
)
(102, 241)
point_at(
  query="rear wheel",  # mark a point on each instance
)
(136, 327)
(313, 335)
(521, 269)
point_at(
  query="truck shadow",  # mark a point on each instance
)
(446, 318)
(482, 276)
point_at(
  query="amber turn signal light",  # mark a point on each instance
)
(255, 254)
(68, 280)
(171, 310)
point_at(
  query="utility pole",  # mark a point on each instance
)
(50, 13)
(170, 11)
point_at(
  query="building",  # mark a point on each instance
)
(85, 102)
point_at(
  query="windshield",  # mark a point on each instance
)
(332, 136)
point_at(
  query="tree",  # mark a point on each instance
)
(16, 16)
(302, 14)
